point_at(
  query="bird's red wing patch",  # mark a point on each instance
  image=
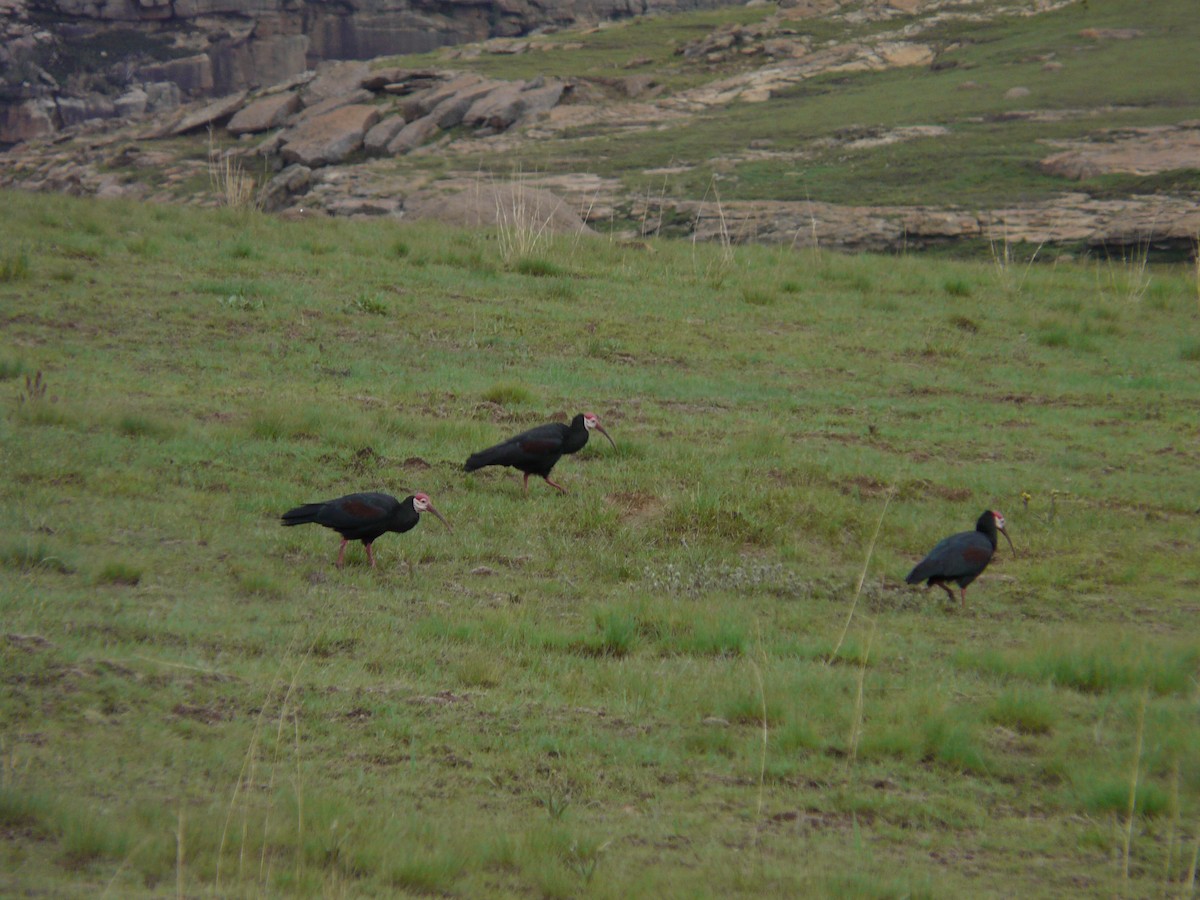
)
(976, 555)
(540, 445)
(361, 510)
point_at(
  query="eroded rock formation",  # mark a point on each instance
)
(67, 61)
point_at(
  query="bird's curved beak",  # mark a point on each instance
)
(600, 428)
(1007, 538)
(447, 524)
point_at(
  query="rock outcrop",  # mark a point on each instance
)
(58, 58)
(1136, 151)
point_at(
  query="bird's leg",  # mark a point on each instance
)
(526, 483)
(554, 484)
(341, 553)
(962, 600)
(370, 555)
(949, 591)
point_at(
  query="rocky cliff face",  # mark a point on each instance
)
(67, 61)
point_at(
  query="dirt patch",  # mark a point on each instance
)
(635, 504)
(862, 486)
(209, 715)
(30, 643)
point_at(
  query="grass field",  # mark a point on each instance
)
(699, 673)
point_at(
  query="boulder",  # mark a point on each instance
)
(328, 138)
(359, 95)
(292, 180)
(26, 121)
(497, 110)
(540, 99)
(426, 102)
(396, 80)
(502, 107)
(334, 79)
(193, 74)
(450, 111)
(209, 114)
(256, 62)
(1142, 151)
(265, 113)
(412, 135)
(74, 110)
(380, 135)
(132, 103)
(162, 95)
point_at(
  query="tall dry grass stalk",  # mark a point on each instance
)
(1173, 824)
(108, 888)
(1134, 777)
(1196, 260)
(857, 720)
(245, 782)
(812, 228)
(263, 869)
(762, 755)
(179, 854)
(231, 183)
(721, 266)
(1126, 278)
(584, 215)
(643, 231)
(522, 227)
(1004, 261)
(1190, 885)
(861, 578)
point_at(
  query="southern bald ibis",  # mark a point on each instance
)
(535, 451)
(364, 517)
(961, 557)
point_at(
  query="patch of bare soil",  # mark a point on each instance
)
(636, 504)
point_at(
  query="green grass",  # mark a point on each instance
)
(565, 696)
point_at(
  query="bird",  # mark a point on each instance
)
(961, 557)
(536, 451)
(364, 517)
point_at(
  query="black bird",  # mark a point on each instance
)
(364, 517)
(535, 451)
(961, 557)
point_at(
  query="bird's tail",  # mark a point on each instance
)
(488, 457)
(301, 515)
(918, 574)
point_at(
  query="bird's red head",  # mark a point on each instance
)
(1004, 531)
(590, 422)
(422, 503)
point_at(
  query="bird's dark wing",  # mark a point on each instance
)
(966, 553)
(543, 440)
(527, 448)
(357, 509)
(540, 446)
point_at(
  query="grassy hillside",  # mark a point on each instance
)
(697, 674)
(794, 146)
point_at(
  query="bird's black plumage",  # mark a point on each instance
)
(363, 517)
(536, 451)
(961, 557)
